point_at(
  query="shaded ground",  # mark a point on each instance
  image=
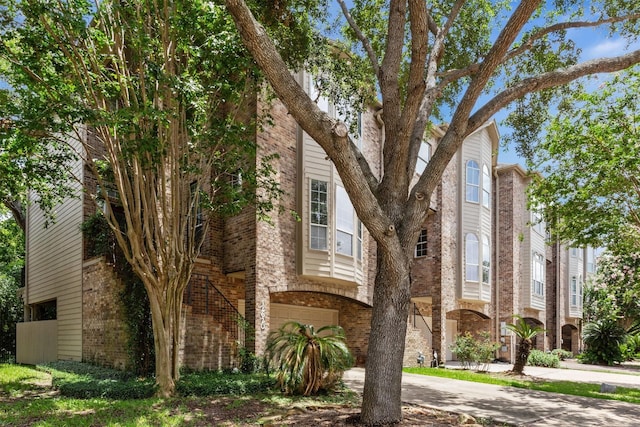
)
(214, 414)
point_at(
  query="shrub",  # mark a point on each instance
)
(307, 361)
(541, 358)
(84, 381)
(480, 351)
(562, 354)
(215, 383)
(464, 347)
(631, 347)
(602, 340)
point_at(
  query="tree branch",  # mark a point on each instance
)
(549, 80)
(315, 122)
(373, 58)
(526, 45)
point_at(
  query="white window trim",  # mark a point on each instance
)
(470, 263)
(486, 257)
(318, 225)
(538, 276)
(469, 185)
(486, 187)
(343, 202)
(421, 246)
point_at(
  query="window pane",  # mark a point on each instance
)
(472, 257)
(486, 259)
(344, 211)
(473, 182)
(486, 186)
(344, 243)
(344, 222)
(318, 215)
(318, 237)
(421, 247)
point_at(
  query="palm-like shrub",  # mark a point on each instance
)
(525, 333)
(307, 361)
(602, 340)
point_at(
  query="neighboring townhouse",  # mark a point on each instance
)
(481, 258)
(316, 267)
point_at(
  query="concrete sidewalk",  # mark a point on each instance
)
(512, 405)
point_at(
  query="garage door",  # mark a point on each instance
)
(318, 317)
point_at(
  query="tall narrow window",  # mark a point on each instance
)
(359, 244)
(473, 181)
(314, 94)
(354, 123)
(591, 260)
(471, 257)
(344, 223)
(486, 187)
(538, 274)
(537, 221)
(423, 157)
(573, 294)
(486, 260)
(580, 288)
(196, 221)
(318, 215)
(421, 247)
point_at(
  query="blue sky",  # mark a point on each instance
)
(595, 43)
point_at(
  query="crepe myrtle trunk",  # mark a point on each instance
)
(165, 316)
(387, 341)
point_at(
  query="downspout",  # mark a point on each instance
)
(558, 299)
(496, 202)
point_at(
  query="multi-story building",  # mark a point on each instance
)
(481, 258)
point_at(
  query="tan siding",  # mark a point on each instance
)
(54, 268)
(36, 342)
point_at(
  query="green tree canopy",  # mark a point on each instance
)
(590, 166)
(462, 61)
(614, 291)
(158, 100)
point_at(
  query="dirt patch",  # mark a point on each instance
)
(251, 412)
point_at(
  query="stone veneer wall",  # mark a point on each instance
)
(104, 335)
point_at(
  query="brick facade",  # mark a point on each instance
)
(255, 263)
(104, 335)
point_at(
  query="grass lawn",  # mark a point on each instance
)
(631, 395)
(49, 396)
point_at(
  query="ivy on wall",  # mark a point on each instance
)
(101, 242)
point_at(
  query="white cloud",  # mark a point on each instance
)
(608, 48)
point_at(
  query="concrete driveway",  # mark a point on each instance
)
(517, 406)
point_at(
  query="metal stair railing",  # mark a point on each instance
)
(420, 323)
(215, 304)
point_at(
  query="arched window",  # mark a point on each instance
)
(486, 260)
(486, 187)
(473, 181)
(471, 258)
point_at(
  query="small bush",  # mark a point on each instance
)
(464, 348)
(540, 358)
(479, 351)
(84, 381)
(631, 347)
(562, 354)
(215, 383)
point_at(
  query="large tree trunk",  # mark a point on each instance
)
(383, 380)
